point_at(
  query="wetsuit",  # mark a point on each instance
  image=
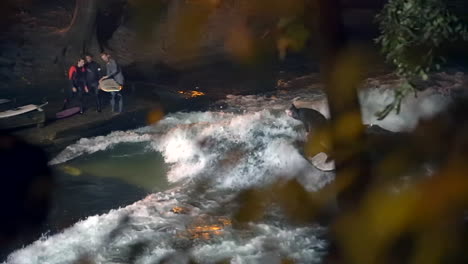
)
(114, 72)
(77, 77)
(93, 74)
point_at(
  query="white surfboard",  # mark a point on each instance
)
(21, 110)
(319, 161)
(110, 85)
(3, 101)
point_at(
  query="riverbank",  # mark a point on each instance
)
(143, 98)
(139, 101)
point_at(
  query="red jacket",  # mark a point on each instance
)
(77, 76)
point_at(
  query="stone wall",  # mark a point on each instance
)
(31, 50)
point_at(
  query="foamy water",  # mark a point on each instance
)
(250, 142)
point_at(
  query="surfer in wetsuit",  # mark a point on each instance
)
(114, 77)
(93, 75)
(77, 77)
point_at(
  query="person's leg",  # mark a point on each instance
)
(85, 97)
(119, 94)
(80, 94)
(66, 100)
(98, 97)
(112, 102)
(65, 103)
(69, 94)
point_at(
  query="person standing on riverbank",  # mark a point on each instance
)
(114, 77)
(93, 75)
(77, 77)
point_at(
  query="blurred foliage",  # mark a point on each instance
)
(400, 93)
(25, 191)
(405, 212)
(250, 29)
(401, 212)
(146, 14)
(412, 33)
(154, 116)
(294, 36)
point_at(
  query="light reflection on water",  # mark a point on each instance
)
(130, 163)
(96, 183)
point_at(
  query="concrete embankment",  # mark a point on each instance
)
(138, 105)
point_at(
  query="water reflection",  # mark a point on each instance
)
(96, 183)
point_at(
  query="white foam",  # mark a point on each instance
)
(272, 245)
(91, 145)
(252, 144)
(232, 151)
(413, 109)
(107, 239)
(373, 100)
(258, 148)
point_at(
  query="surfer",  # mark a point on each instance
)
(114, 77)
(312, 119)
(93, 74)
(77, 77)
(315, 124)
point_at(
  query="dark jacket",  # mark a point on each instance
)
(77, 76)
(93, 73)
(114, 72)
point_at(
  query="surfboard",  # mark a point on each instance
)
(67, 112)
(3, 101)
(23, 120)
(39, 107)
(320, 162)
(110, 85)
(20, 110)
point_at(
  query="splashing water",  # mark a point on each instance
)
(252, 144)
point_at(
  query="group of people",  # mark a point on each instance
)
(88, 78)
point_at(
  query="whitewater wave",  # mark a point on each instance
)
(231, 151)
(250, 142)
(373, 99)
(100, 143)
(239, 111)
(158, 230)
(414, 107)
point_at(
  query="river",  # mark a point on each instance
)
(168, 191)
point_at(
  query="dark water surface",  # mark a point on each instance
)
(97, 183)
